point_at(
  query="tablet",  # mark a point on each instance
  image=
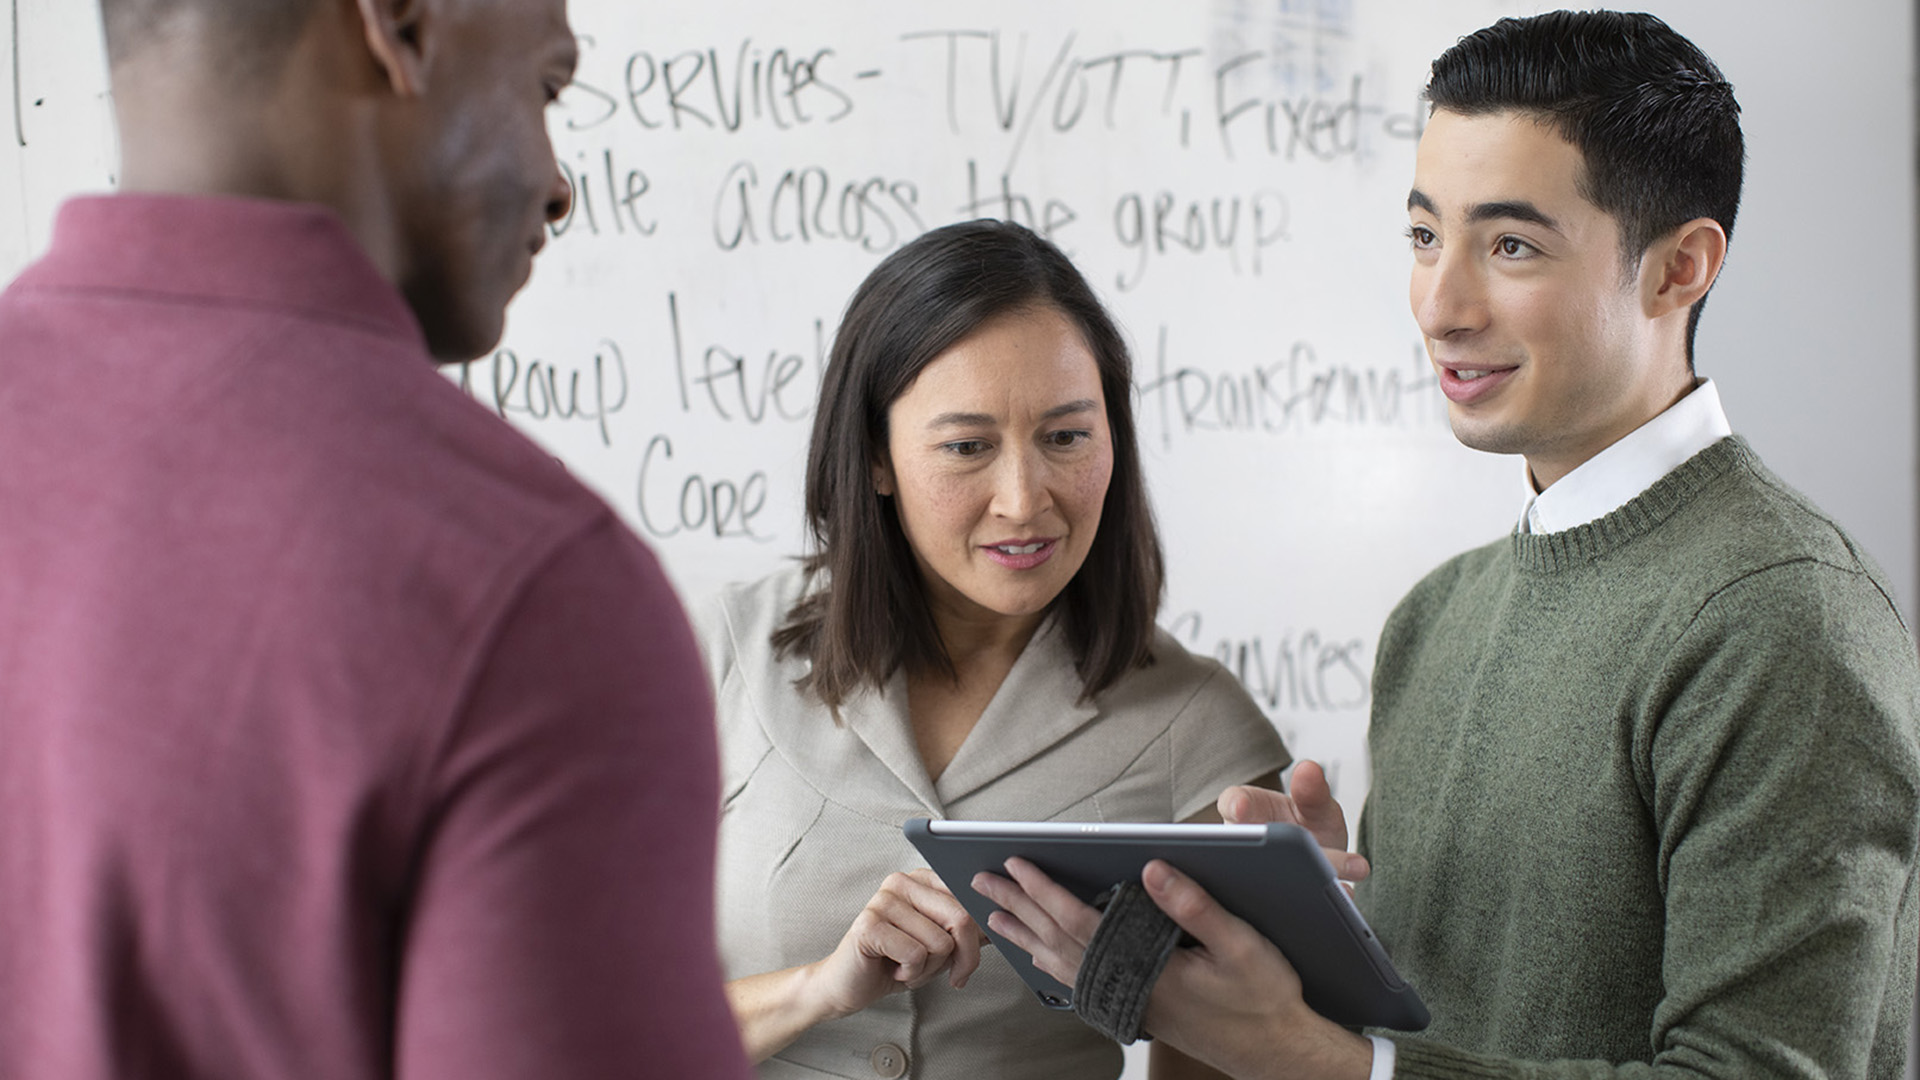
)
(1273, 876)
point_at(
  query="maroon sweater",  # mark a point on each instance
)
(342, 734)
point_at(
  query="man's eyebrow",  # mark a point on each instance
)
(1512, 210)
(1506, 209)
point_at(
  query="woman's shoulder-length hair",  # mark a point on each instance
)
(868, 614)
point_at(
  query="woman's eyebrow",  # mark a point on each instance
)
(1070, 408)
(974, 419)
(962, 419)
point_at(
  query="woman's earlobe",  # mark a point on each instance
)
(882, 473)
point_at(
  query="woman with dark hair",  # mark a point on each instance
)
(973, 638)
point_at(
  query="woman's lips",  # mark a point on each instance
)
(1020, 554)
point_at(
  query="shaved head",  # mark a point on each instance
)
(450, 192)
(258, 32)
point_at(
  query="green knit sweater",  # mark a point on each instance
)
(1646, 795)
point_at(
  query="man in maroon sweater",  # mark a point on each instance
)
(342, 735)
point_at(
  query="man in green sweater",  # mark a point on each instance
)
(1646, 790)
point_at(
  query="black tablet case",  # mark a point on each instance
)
(1278, 881)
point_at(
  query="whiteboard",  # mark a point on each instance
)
(1231, 176)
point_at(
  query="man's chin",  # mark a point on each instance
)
(458, 326)
(460, 341)
(1484, 434)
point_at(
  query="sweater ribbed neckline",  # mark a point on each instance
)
(1551, 553)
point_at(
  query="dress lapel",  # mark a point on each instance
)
(1037, 706)
(880, 721)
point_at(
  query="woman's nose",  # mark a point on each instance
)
(1020, 489)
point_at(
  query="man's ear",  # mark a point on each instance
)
(400, 34)
(1680, 267)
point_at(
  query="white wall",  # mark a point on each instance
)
(1293, 521)
(1295, 511)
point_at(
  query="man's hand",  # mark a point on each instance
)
(1232, 1001)
(1309, 804)
(1051, 924)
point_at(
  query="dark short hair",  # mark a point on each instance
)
(1654, 120)
(871, 616)
(259, 31)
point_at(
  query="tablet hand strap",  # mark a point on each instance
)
(1129, 949)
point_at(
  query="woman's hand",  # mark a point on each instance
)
(906, 936)
(911, 931)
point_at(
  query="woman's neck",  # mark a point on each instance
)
(943, 710)
(983, 642)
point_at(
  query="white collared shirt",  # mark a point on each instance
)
(1613, 477)
(1385, 1055)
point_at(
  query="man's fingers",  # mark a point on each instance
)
(1346, 865)
(1249, 805)
(1309, 784)
(1015, 931)
(1042, 955)
(1314, 802)
(1309, 803)
(1032, 920)
(1188, 905)
(1073, 915)
(1039, 917)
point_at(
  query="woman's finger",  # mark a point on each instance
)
(878, 937)
(923, 906)
(932, 944)
(934, 901)
(925, 891)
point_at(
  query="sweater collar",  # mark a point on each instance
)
(1611, 478)
(1554, 552)
(236, 251)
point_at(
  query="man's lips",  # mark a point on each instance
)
(1464, 385)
